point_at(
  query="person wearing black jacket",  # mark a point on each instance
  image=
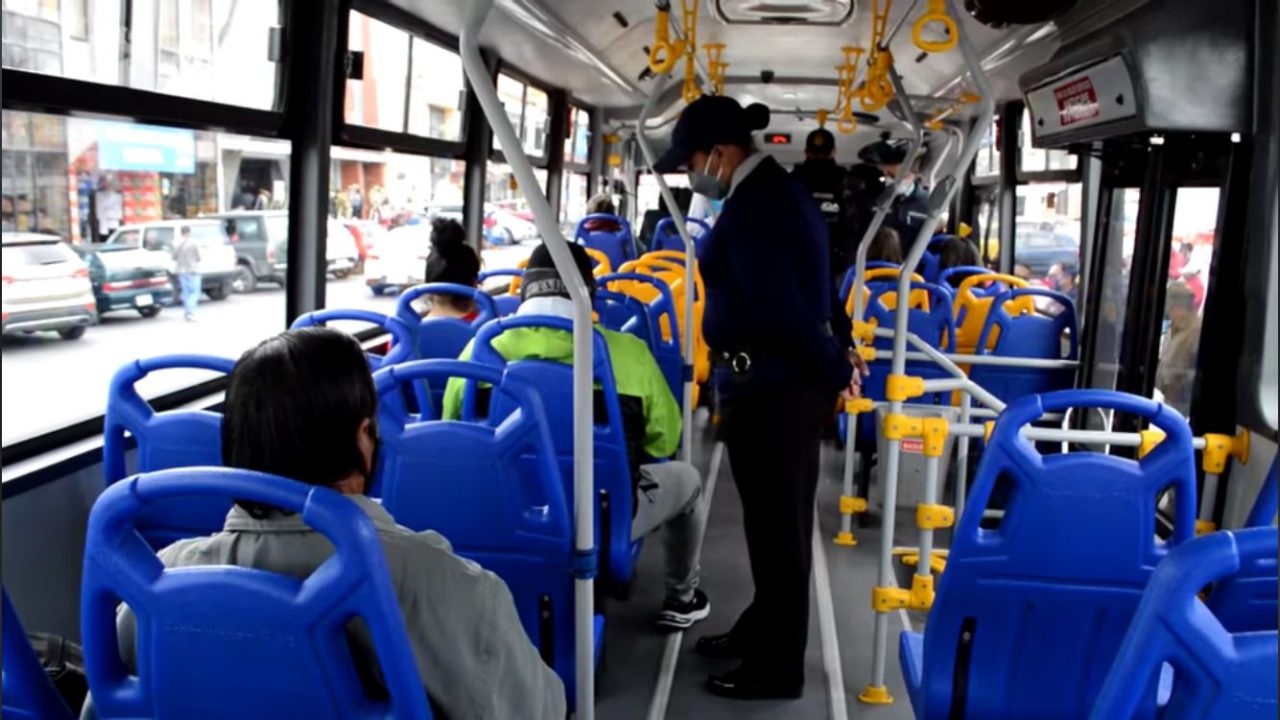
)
(769, 317)
(828, 183)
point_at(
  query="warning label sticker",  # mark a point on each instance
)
(1077, 101)
(912, 445)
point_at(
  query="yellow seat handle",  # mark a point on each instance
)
(935, 13)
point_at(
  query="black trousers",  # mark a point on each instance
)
(773, 439)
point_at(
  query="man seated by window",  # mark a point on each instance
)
(665, 493)
(302, 405)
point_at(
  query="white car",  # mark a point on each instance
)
(217, 256)
(46, 287)
(398, 259)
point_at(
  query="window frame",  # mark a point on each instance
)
(496, 154)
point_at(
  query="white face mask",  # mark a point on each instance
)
(708, 181)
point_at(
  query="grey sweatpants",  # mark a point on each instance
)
(668, 495)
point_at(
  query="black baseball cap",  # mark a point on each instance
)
(884, 152)
(708, 121)
(541, 278)
(820, 142)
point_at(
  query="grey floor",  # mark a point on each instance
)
(634, 646)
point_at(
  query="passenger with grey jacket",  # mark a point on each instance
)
(303, 405)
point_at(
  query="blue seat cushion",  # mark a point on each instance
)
(911, 657)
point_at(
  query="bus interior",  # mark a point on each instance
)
(1107, 160)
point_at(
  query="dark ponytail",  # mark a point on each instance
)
(451, 260)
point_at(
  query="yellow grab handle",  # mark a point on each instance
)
(847, 124)
(937, 13)
(662, 44)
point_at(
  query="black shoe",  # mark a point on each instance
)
(680, 615)
(719, 646)
(743, 684)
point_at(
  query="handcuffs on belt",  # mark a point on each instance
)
(740, 362)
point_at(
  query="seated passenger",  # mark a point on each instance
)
(451, 260)
(957, 251)
(601, 204)
(303, 405)
(665, 493)
(885, 247)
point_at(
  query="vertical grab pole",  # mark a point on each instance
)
(962, 455)
(849, 504)
(690, 260)
(876, 692)
(549, 229)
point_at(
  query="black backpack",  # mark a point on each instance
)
(63, 662)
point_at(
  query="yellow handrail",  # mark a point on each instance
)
(936, 12)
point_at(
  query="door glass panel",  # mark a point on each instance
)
(1047, 236)
(1118, 229)
(1195, 229)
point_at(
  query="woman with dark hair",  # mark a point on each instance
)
(771, 318)
(885, 247)
(453, 261)
(302, 405)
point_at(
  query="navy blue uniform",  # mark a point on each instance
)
(769, 296)
(908, 214)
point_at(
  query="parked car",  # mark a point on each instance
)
(1040, 250)
(46, 286)
(125, 277)
(512, 226)
(217, 257)
(399, 259)
(261, 242)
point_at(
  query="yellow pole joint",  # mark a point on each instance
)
(921, 592)
(867, 352)
(1204, 527)
(850, 505)
(887, 599)
(934, 517)
(935, 432)
(1151, 437)
(1218, 447)
(987, 427)
(860, 405)
(875, 695)
(898, 426)
(864, 332)
(900, 388)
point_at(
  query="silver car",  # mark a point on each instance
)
(46, 287)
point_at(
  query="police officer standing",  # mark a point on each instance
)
(828, 183)
(911, 207)
(768, 316)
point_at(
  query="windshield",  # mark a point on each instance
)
(208, 235)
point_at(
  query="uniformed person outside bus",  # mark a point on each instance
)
(769, 317)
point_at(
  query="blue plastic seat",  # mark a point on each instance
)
(27, 693)
(402, 346)
(667, 237)
(618, 245)
(960, 272)
(846, 285)
(495, 491)
(554, 381)
(172, 439)
(506, 304)
(1249, 599)
(931, 262)
(1029, 614)
(1033, 335)
(220, 642)
(666, 351)
(442, 338)
(1218, 673)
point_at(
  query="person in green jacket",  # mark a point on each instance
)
(666, 492)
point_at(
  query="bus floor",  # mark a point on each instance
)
(634, 646)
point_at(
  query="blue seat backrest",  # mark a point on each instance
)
(846, 285)
(667, 237)
(494, 490)
(1035, 335)
(952, 276)
(402, 347)
(1248, 599)
(1028, 616)
(554, 381)
(665, 351)
(171, 439)
(27, 693)
(219, 641)
(935, 325)
(931, 262)
(506, 304)
(442, 338)
(618, 245)
(1218, 674)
